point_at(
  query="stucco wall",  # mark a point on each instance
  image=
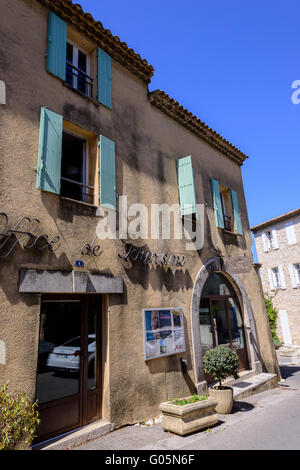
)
(148, 143)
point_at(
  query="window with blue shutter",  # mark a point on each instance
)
(57, 46)
(104, 78)
(186, 186)
(107, 173)
(50, 152)
(217, 203)
(236, 212)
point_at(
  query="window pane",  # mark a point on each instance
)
(94, 315)
(81, 82)
(206, 334)
(236, 325)
(59, 350)
(69, 74)
(72, 167)
(220, 321)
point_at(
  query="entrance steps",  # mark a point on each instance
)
(255, 384)
(77, 437)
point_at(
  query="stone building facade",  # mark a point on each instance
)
(278, 249)
(106, 328)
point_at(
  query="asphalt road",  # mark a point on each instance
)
(266, 421)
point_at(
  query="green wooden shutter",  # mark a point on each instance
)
(50, 150)
(104, 78)
(57, 46)
(217, 203)
(186, 186)
(107, 171)
(236, 212)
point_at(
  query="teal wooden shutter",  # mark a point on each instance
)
(107, 171)
(186, 186)
(50, 149)
(236, 212)
(104, 78)
(217, 203)
(57, 46)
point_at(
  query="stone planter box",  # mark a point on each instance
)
(189, 418)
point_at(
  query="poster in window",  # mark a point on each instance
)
(163, 332)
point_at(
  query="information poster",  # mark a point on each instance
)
(163, 332)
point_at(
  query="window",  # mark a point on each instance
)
(226, 208)
(270, 241)
(295, 274)
(78, 69)
(74, 169)
(71, 63)
(74, 162)
(276, 278)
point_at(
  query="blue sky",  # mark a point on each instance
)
(232, 64)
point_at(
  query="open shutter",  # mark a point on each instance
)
(217, 203)
(50, 150)
(270, 276)
(265, 242)
(186, 186)
(107, 170)
(104, 78)
(282, 280)
(57, 46)
(293, 276)
(236, 212)
(290, 233)
(274, 238)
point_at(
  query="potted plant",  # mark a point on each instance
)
(186, 415)
(221, 362)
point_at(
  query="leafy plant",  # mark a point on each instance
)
(272, 314)
(221, 362)
(187, 401)
(18, 420)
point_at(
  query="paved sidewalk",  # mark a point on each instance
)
(268, 420)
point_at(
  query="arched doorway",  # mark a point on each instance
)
(220, 318)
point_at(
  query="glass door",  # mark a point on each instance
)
(68, 373)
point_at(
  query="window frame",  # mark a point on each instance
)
(76, 50)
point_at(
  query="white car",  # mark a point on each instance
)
(67, 356)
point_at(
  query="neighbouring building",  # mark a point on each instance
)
(278, 249)
(106, 329)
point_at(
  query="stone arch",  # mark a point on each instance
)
(212, 265)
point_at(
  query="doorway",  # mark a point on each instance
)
(69, 363)
(221, 321)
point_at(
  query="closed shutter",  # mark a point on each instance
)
(285, 327)
(281, 275)
(265, 242)
(107, 171)
(57, 46)
(50, 150)
(236, 212)
(274, 239)
(293, 276)
(290, 233)
(270, 276)
(186, 186)
(217, 203)
(104, 78)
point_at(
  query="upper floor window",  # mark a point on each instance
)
(290, 233)
(276, 278)
(78, 70)
(295, 274)
(226, 208)
(75, 163)
(71, 64)
(297, 269)
(270, 241)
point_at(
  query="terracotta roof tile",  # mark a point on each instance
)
(276, 220)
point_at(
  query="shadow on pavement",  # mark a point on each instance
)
(241, 406)
(288, 371)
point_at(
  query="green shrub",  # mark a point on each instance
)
(272, 314)
(18, 420)
(221, 362)
(187, 401)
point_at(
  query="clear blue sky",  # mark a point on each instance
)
(232, 64)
